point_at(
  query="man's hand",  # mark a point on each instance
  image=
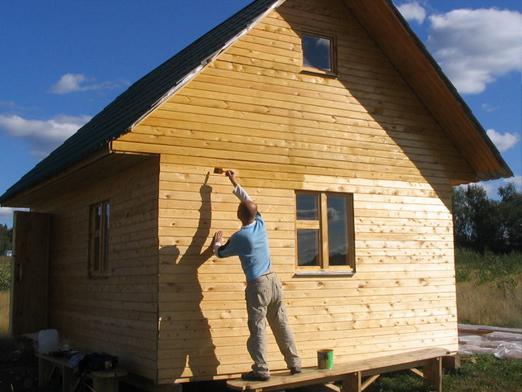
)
(231, 176)
(218, 238)
(217, 241)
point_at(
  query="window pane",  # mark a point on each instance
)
(317, 52)
(105, 261)
(107, 214)
(307, 206)
(337, 230)
(97, 218)
(307, 247)
(96, 254)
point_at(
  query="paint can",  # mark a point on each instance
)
(325, 359)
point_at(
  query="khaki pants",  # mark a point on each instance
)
(264, 299)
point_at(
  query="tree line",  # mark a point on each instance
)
(483, 224)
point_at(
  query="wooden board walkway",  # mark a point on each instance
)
(352, 374)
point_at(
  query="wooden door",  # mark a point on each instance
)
(30, 273)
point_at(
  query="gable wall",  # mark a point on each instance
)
(366, 133)
(117, 314)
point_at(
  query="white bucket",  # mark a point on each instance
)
(48, 341)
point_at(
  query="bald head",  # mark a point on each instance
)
(246, 212)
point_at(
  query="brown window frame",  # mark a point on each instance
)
(321, 224)
(103, 236)
(333, 54)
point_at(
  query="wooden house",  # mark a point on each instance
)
(341, 126)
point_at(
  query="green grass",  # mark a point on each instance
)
(472, 266)
(480, 373)
(5, 272)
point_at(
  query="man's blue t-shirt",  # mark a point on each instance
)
(251, 245)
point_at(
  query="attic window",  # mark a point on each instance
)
(317, 53)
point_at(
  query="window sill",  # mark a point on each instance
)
(318, 72)
(300, 274)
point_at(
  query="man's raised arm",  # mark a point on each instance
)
(240, 193)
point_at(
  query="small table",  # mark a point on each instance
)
(47, 364)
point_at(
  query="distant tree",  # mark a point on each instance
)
(6, 236)
(476, 223)
(462, 216)
(483, 224)
(510, 218)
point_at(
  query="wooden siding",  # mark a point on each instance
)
(117, 314)
(364, 132)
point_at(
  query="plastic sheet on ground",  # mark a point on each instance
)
(503, 345)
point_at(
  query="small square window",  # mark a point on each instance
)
(317, 52)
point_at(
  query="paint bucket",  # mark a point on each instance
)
(325, 359)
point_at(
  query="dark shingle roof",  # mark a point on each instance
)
(116, 119)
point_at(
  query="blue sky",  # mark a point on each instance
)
(63, 61)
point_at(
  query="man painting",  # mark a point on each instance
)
(263, 293)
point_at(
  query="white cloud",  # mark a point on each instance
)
(71, 83)
(489, 108)
(42, 135)
(476, 46)
(413, 11)
(68, 83)
(503, 141)
(6, 213)
(516, 180)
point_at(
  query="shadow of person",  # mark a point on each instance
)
(187, 335)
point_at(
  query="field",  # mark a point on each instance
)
(489, 289)
(5, 280)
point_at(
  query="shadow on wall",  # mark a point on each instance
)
(185, 332)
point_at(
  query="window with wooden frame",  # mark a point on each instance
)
(99, 219)
(325, 231)
(318, 53)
